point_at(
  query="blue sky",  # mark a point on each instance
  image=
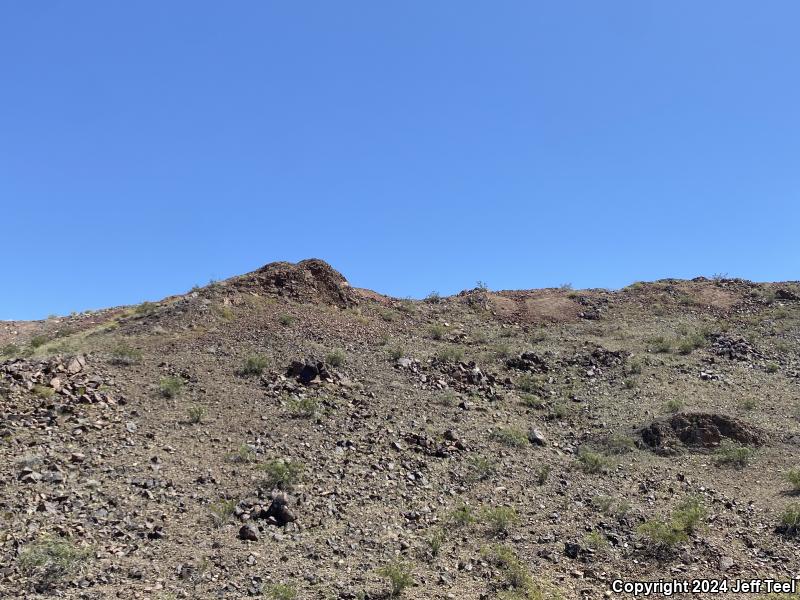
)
(149, 146)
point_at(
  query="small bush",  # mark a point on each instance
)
(793, 477)
(542, 474)
(461, 516)
(513, 438)
(629, 384)
(244, 454)
(282, 591)
(530, 384)
(560, 411)
(591, 461)
(433, 298)
(772, 367)
(399, 576)
(396, 352)
(254, 365)
(39, 340)
(170, 387)
(500, 519)
(522, 585)
(731, 455)
(660, 345)
(790, 519)
(49, 560)
(663, 536)
(125, 355)
(608, 505)
(596, 541)
(145, 308)
(532, 401)
(281, 473)
(9, 350)
(691, 342)
(286, 320)
(674, 405)
(335, 358)
(689, 513)
(450, 354)
(304, 407)
(222, 511)
(618, 444)
(436, 332)
(480, 468)
(43, 391)
(196, 413)
(436, 540)
(748, 404)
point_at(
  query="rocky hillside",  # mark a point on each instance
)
(284, 435)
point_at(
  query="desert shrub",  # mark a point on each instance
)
(660, 345)
(674, 405)
(436, 332)
(772, 367)
(244, 454)
(793, 477)
(282, 591)
(529, 383)
(608, 505)
(286, 320)
(396, 352)
(39, 340)
(125, 355)
(560, 410)
(542, 474)
(689, 513)
(511, 437)
(748, 403)
(691, 342)
(662, 536)
(462, 515)
(304, 407)
(436, 540)
(49, 560)
(222, 511)
(399, 576)
(618, 443)
(596, 541)
(523, 586)
(790, 519)
(450, 354)
(406, 306)
(43, 391)
(634, 367)
(629, 384)
(254, 365)
(433, 298)
(732, 455)
(480, 468)
(196, 413)
(591, 461)
(499, 519)
(335, 358)
(282, 473)
(9, 350)
(145, 308)
(532, 401)
(170, 387)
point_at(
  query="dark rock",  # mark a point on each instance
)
(248, 532)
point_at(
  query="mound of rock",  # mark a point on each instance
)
(527, 361)
(733, 348)
(698, 431)
(311, 280)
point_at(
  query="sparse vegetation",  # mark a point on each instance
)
(335, 358)
(43, 391)
(125, 355)
(511, 437)
(38, 341)
(793, 477)
(450, 354)
(790, 519)
(282, 473)
(170, 387)
(481, 467)
(674, 405)
(435, 540)
(436, 332)
(542, 474)
(592, 462)
(499, 519)
(222, 511)
(50, 559)
(732, 455)
(254, 365)
(433, 298)
(462, 515)
(532, 401)
(660, 345)
(399, 576)
(286, 320)
(282, 591)
(304, 407)
(196, 413)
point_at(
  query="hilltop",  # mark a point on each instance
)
(282, 434)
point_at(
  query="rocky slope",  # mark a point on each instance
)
(284, 435)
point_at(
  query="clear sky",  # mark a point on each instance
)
(418, 145)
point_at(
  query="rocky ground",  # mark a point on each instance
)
(284, 435)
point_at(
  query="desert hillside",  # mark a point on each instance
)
(283, 435)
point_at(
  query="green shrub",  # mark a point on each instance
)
(254, 365)
(282, 473)
(196, 413)
(674, 405)
(596, 541)
(461, 516)
(592, 462)
(542, 474)
(399, 576)
(618, 444)
(629, 384)
(433, 298)
(170, 387)
(436, 332)
(436, 540)
(9, 350)
(689, 513)
(772, 367)
(304, 407)
(49, 560)
(43, 391)
(222, 511)
(532, 401)
(450, 354)
(282, 591)
(499, 519)
(660, 345)
(790, 519)
(529, 383)
(335, 358)
(729, 454)
(511, 437)
(125, 355)
(517, 577)
(39, 340)
(286, 320)
(691, 342)
(560, 411)
(244, 454)
(145, 308)
(396, 352)
(480, 468)
(663, 536)
(793, 477)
